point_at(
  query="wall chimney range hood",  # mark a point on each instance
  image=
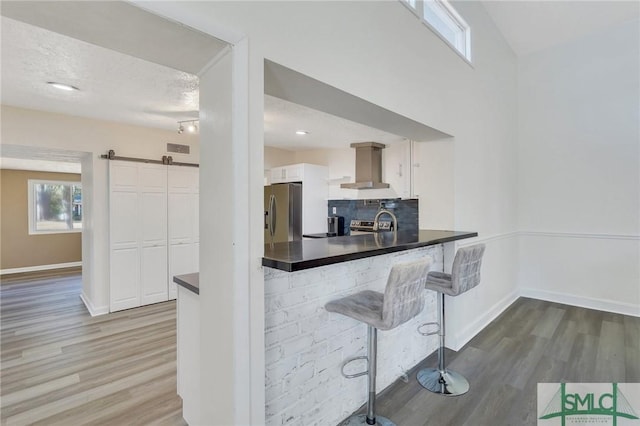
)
(368, 166)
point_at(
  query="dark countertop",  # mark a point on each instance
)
(189, 281)
(320, 235)
(306, 254)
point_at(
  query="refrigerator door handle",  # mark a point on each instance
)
(272, 215)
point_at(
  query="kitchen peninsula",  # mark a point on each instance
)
(304, 254)
(304, 344)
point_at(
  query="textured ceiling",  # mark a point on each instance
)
(123, 27)
(113, 86)
(121, 88)
(530, 26)
(125, 75)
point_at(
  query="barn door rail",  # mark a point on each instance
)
(166, 159)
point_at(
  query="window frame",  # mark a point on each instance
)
(444, 8)
(31, 207)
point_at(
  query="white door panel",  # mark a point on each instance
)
(153, 176)
(180, 225)
(125, 274)
(154, 274)
(123, 176)
(124, 211)
(180, 179)
(153, 217)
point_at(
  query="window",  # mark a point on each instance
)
(54, 206)
(445, 22)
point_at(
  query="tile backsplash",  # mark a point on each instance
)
(406, 211)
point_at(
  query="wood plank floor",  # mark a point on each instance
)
(531, 342)
(60, 366)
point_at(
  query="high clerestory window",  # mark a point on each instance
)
(441, 18)
(54, 206)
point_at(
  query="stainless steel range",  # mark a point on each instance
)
(359, 226)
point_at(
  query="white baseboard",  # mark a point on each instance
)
(93, 311)
(462, 337)
(40, 268)
(583, 302)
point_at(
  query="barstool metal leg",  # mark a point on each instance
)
(440, 380)
(370, 418)
(441, 332)
(372, 340)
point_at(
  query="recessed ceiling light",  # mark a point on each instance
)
(301, 132)
(62, 86)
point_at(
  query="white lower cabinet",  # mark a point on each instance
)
(145, 253)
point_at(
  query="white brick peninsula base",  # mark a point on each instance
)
(305, 345)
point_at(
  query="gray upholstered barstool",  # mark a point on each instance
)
(402, 300)
(465, 275)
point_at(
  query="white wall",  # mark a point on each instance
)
(484, 172)
(217, 294)
(579, 186)
(36, 130)
(433, 167)
(423, 80)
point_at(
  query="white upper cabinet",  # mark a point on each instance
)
(285, 174)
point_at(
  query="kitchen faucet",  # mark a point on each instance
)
(382, 211)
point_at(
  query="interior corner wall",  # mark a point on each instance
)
(579, 182)
(32, 130)
(484, 175)
(19, 248)
(403, 67)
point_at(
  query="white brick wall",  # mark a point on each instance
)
(305, 344)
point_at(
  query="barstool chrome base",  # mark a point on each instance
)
(447, 382)
(361, 419)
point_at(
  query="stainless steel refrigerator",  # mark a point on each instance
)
(282, 212)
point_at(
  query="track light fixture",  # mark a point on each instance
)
(191, 126)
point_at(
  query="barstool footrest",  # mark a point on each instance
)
(429, 333)
(355, 358)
